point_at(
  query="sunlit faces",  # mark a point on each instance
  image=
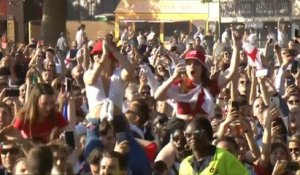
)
(47, 76)
(22, 90)
(178, 140)
(161, 70)
(194, 69)
(258, 107)
(97, 57)
(195, 138)
(46, 104)
(294, 150)
(9, 154)
(278, 153)
(109, 166)
(74, 44)
(197, 41)
(243, 85)
(293, 103)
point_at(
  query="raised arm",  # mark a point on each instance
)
(161, 92)
(86, 58)
(253, 89)
(227, 75)
(264, 91)
(254, 149)
(91, 76)
(266, 139)
(279, 79)
(123, 61)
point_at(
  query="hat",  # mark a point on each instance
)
(93, 143)
(196, 55)
(97, 48)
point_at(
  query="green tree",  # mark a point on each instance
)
(53, 20)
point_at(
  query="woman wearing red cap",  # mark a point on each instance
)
(191, 87)
(106, 81)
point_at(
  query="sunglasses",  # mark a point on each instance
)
(196, 133)
(11, 151)
(177, 138)
(294, 149)
(293, 101)
(161, 121)
(244, 82)
(145, 92)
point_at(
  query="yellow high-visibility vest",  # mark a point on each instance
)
(223, 163)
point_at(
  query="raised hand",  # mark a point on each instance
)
(179, 69)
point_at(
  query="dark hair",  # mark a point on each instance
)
(228, 139)
(274, 146)
(104, 127)
(140, 108)
(203, 123)
(159, 167)
(121, 159)
(205, 80)
(39, 160)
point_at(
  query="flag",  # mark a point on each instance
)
(253, 54)
(199, 95)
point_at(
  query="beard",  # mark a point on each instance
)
(294, 108)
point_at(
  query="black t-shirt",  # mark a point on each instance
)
(21, 71)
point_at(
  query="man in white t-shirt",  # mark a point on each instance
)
(283, 37)
(199, 33)
(80, 36)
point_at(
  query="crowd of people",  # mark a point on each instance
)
(133, 105)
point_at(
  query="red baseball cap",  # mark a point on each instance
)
(196, 55)
(97, 48)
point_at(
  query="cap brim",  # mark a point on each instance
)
(94, 52)
(194, 58)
